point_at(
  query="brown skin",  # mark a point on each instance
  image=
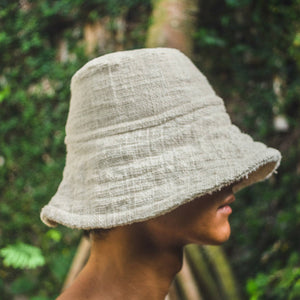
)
(139, 261)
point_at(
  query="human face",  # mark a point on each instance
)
(203, 220)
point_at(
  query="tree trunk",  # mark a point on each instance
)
(173, 24)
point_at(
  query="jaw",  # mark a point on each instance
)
(215, 236)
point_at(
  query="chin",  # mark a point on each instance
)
(217, 237)
(223, 235)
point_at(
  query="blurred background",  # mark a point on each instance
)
(250, 52)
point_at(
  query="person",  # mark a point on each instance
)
(153, 163)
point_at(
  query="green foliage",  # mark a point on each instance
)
(4, 93)
(22, 256)
(209, 38)
(22, 284)
(259, 48)
(237, 3)
(279, 284)
(55, 235)
(34, 102)
(241, 45)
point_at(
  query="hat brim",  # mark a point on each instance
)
(148, 172)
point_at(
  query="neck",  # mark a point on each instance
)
(129, 263)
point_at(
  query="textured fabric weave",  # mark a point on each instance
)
(146, 133)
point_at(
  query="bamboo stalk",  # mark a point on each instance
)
(223, 271)
(79, 261)
(186, 281)
(173, 294)
(202, 272)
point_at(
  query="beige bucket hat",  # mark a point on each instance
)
(146, 133)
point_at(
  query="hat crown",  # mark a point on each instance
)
(128, 86)
(146, 133)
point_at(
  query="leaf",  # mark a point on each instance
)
(237, 3)
(4, 93)
(209, 38)
(22, 256)
(296, 41)
(53, 234)
(23, 284)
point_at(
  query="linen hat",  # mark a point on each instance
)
(146, 133)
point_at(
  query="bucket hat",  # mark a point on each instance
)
(145, 134)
